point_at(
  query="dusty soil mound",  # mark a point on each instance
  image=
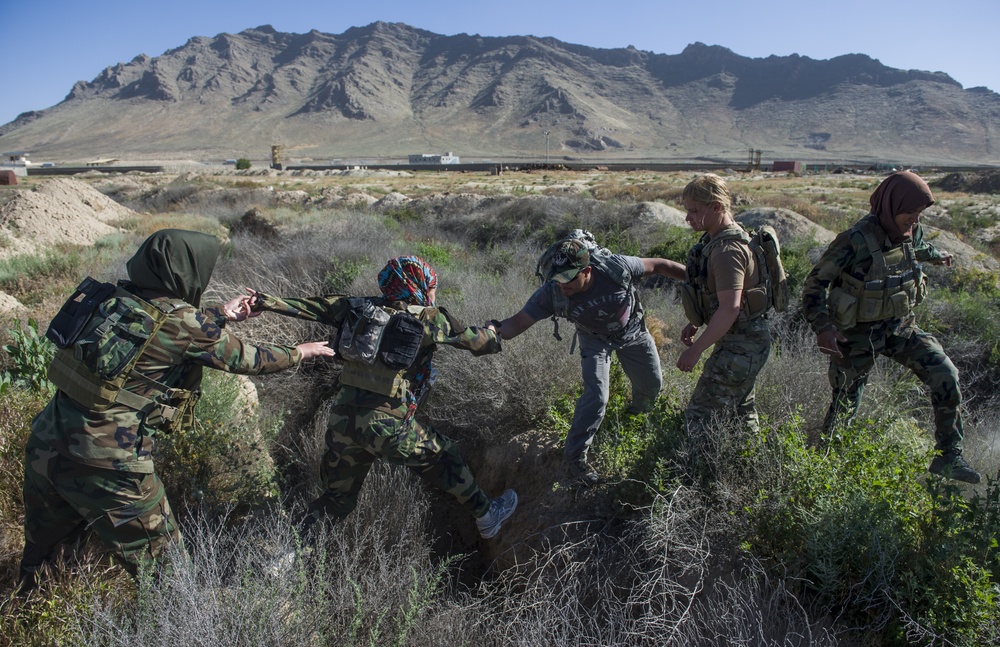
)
(9, 305)
(550, 510)
(59, 211)
(985, 182)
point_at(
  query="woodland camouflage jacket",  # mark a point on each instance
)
(440, 328)
(123, 439)
(848, 254)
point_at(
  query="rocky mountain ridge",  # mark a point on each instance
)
(388, 89)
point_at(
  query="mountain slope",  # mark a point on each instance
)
(388, 89)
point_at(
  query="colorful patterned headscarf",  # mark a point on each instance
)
(407, 279)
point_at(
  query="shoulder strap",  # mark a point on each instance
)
(729, 233)
(613, 268)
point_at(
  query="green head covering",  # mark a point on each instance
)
(175, 261)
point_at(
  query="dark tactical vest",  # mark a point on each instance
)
(379, 345)
(602, 259)
(892, 287)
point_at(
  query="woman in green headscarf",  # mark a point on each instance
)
(88, 464)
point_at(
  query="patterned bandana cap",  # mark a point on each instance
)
(572, 257)
(407, 279)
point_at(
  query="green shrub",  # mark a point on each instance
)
(632, 452)
(223, 459)
(440, 255)
(17, 408)
(242, 164)
(877, 543)
(675, 244)
(967, 309)
(950, 582)
(405, 215)
(28, 356)
(344, 273)
(795, 260)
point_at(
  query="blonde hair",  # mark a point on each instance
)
(708, 188)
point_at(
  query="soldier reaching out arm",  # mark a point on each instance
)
(595, 290)
(381, 389)
(89, 458)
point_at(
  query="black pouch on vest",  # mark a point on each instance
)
(401, 342)
(77, 311)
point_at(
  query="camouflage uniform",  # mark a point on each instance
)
(897, 337)
(365, 425)
(87, 469)
(727, 384)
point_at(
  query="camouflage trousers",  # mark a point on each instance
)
(356, 437)
(63, 499)
(916, 350)
(726, 390)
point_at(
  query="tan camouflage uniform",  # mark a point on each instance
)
(726, 388)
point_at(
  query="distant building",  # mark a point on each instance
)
(793, 167)
(447, 158)
(15, 158)
(16, 161)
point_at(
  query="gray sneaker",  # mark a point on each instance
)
(951, 465)
(500, 510)
(580, 472)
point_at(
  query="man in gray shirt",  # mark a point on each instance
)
(596, 292)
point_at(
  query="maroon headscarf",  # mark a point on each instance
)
(901, 192)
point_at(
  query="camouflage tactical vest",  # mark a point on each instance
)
(95, 366)
(614, 270)
(602, 259)
(893, 285)
(699, 303)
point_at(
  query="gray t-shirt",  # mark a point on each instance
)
(604, 309)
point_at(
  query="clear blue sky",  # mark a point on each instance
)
(48, 45)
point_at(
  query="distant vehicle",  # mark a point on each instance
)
(48, 164)
(230, 162)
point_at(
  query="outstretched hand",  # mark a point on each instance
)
(255, 300)
(238, 309)
(829, 342)
(687, 334)
(947, 259)
(312, 349)
(688, 359)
